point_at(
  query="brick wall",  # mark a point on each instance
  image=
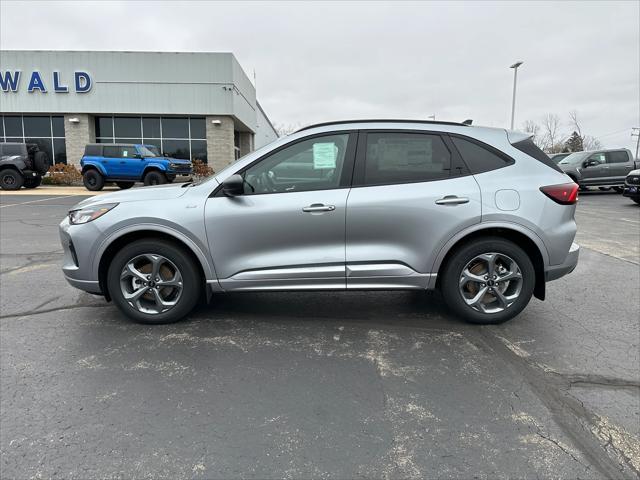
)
(77, 135)
(219, 142)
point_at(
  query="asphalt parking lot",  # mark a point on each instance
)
(302, 385)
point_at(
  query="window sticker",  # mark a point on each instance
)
(324, 155)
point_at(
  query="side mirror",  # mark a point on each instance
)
(233, 186)
(137, 155)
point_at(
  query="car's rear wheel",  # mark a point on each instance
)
(32, 182)
(488, 281)
(93, 180)
(10, 179)
(154, 178)
(125, 185)
(604, 189)
(619, 189)
(154, 281)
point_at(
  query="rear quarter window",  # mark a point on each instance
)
(479, 157)
(93, 150)
(527, 146)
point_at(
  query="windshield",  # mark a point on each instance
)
(573, 158)
(149, 151)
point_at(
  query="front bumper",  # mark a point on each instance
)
(76, 265)
(631, 191)
(553, 272)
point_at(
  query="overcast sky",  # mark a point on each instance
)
(327, 61)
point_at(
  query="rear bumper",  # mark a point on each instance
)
(554, 272)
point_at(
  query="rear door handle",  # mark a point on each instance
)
(452, 200)
(319, 207)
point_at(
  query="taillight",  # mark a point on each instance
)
(564, 194)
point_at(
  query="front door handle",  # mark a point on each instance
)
(319, 207)
(452, 200)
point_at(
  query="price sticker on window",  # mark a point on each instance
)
(324, 155)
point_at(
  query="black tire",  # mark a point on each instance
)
(192, 282)
(93, 180)
(461, 257)
(154, 177)
(32, 182)
(604, 189)
(619, 189)
(125, 185)
(11, 179)
(41, 162)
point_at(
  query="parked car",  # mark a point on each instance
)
(22, 164)
(126, 164)
(632, 186)
(556, 157)
(599, 168)
(481, 214)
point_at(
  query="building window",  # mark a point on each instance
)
(178, 137)
(47, 131)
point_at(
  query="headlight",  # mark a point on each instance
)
(88, 214)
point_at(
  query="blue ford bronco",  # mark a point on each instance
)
(126, 164)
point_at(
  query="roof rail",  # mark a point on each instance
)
(384, 120)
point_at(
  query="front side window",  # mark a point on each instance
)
(314, 164)
(405, 158)
(618, 157)
(598, 157)
(128, 152)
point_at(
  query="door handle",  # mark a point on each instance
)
(452, 200)
(319, 207)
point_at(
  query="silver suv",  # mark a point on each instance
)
(479, 213)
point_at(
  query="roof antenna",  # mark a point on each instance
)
(468, 121)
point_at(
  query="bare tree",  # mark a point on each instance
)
(285, 129)
(591, 143)
(588, 142)
(534, 129)
(552, 139)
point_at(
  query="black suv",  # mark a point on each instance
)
(22, 164)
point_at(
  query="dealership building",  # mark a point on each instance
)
(190, 105)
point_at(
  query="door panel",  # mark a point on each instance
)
(268, 241)
(403, 224)
(619, 165)
(596, 174)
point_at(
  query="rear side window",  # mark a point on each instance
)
(617, 157)
(93, 150)
(527, 146)
(478, 157)
(405, 158)
(112, 152)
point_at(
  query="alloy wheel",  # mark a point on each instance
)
(490, 282)
(151, 283)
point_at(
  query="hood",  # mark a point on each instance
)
(174, 160)
(634, 172)
(157, 192)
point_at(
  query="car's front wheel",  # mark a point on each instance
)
(154, 178)
(488, 281)
(154, 281)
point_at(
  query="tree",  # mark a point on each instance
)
(574, 143)
(534, 129)
(588, 142)
(285, 129)
(552, 139)
(591, 143)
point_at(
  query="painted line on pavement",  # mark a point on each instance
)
(56, 197)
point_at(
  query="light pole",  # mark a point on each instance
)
(513, 101)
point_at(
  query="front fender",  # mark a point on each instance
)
(155, 166)
(198, 250)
